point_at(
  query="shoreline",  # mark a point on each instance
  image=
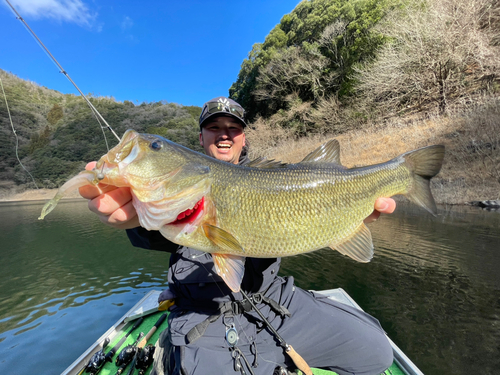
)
(37, 195)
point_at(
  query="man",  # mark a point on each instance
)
(213, 330)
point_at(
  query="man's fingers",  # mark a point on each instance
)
(109, 201)
(382, 205)
(374, 216)
(112, 204)
(385, 205)
(123, 218)
(90, 165)
(90, 191)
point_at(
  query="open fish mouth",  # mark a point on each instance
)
(189, 215)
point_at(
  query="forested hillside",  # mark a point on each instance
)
(58, 133)
(331, 65)
(383, 76)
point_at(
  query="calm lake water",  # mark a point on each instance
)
(434, 284)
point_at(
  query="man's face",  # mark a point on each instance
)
(223, 138)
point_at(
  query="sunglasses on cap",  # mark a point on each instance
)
(222, 106)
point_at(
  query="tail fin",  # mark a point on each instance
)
(425, 163)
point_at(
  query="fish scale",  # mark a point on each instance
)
(284, 221)
(263, 209)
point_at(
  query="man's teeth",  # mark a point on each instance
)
(223, 145)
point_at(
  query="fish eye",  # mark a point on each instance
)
(156, 145)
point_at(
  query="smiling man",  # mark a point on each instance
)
(212, 330)
(222, 129)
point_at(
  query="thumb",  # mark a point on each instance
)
(90, 165)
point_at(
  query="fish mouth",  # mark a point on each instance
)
(189, 215)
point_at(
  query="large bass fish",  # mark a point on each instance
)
(262, 209)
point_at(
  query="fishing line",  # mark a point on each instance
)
(96, 113)
(15, 134)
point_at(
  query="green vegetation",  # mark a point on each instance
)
(58, 133)
(383, 77)
(399, 74)
(310, 54)
(335, 65)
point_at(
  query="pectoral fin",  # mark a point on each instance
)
(231, 268)
(358, 246)
(223, 239)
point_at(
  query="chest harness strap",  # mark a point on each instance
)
(232, 308)
(238, 307)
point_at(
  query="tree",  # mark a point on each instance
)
(437, 52)
(299, 37)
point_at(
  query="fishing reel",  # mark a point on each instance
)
(144, 358)
(128, 352)
(126, 355)
(97, 360)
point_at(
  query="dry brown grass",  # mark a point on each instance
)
(471, 169)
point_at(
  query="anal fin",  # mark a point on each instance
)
(358, 246)
(231, 268)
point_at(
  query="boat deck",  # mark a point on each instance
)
(147, 307)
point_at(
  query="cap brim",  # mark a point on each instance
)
(227, 114)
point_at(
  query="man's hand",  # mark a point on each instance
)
(382, 205)
(112, 204)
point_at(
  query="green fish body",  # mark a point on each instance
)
(263, 209)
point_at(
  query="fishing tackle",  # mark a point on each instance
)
(95, 362)
(300, 363)
(126, 355)
(98, 360)
(96, 113)
(97, 357)
(144, 358)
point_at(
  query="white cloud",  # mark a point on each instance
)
(127, 23)
(62, 10)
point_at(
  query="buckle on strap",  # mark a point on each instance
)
(235, 308)
(257, 298)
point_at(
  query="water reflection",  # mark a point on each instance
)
(433, 284)
(64, 281)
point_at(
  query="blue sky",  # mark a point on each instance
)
(184, 52)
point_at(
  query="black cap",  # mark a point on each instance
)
(222, 106)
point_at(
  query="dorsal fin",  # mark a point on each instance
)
(264, 163)
(328, 152)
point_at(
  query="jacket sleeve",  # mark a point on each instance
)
(151, 240)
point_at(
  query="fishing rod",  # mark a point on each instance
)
(94, 110)
(96, 364)
(144, 355)
(296, 358)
